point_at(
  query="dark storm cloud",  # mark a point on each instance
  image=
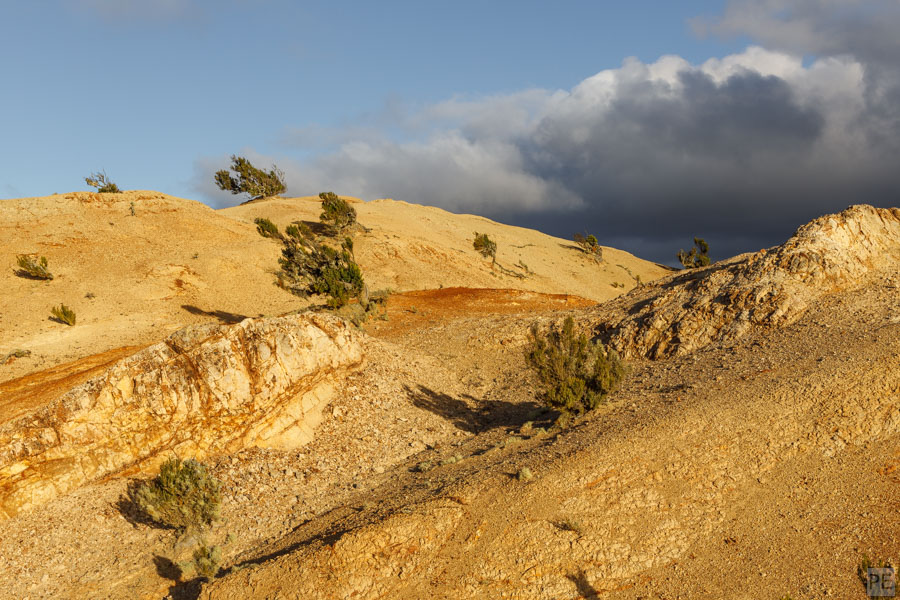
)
(739, 150)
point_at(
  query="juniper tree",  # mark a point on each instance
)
(102, 183)
(697, 257)
(485, 246)
(337, 213)
(309, 267)
(250, 180)
(576, 373)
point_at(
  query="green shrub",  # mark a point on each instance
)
(63, 314)
(266, 228)
(576, 374)
(250, 180)
(308, 267)
(485, 246)
(697, 257)
(337, 213)
(590, 245)
(184, 495)
(29, 267)
(298, 230)
(102, 183)
(524, 474)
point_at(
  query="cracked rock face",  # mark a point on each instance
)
(769, 288)
(204, 390)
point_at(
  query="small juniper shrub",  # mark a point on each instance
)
(299, 230)
(36, 269)
(63, 314)
(250, 180)
(589, 245)
(697, 257)
(184, 496)
(266, 228)
(576, 374)
(102, 183)
(484, 245)
(337, 213)
(309, 267)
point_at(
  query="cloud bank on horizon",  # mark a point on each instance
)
(740, 149)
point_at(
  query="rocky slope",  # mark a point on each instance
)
(766, 289)
(736, 465)
(205, 390)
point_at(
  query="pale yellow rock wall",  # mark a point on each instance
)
(204, 390)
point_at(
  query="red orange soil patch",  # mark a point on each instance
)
(427, 308)
(21, 395)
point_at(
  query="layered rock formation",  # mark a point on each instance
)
(769, 288)
(204, 390)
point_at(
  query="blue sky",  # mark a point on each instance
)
(376, 99)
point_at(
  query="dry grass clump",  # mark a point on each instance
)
(35, 269)
(63, 314)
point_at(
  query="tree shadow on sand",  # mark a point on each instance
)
(223, 316)
(180, 590)
(484, 415)
(584, 587)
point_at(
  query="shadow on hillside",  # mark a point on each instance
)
(585, 589)
(460, 413)
(180, 590)
(223, 316)
(131, 511)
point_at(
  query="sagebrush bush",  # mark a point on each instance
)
(184, 496)
(63, 314)
(697, 257)
(206, 561)
(102, 183)
(576, 374)
(250, 180)
(36, 269)
(485, 246)
(337, 213)
(309, 267)
(266, 228)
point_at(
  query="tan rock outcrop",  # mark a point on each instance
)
(202, 391)
(769, 288)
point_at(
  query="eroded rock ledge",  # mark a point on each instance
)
(202, 391)
(769, 288)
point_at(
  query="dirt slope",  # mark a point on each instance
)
(752, 470)
(133, 279)
(753, 466)
(415, 247)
